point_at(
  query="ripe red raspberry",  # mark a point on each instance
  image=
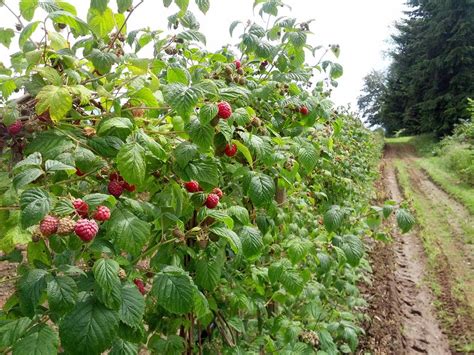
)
(225, 111)
(212, 201)
(230, 150)
(86, 229)
(238, 64)
(102, 213)
(140, 285)
(115, 177)
(192, 186)
(304, 110)
(218, 192)
(82, 208)
(15, 128)
(49, 225)
(115, 188)
(79, 172)
(128, 187)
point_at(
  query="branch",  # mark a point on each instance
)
(123, 25)
(13, 13)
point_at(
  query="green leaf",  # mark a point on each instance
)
(124, 5)
(231, 237)
(181, 98)
(252, 243)
(177, 75)
(89, 329)
(69, 19)
(100, 5)
(129, 232)
(55, 165)
(240, 213)
(201, 134)
(106, 273)
(333, 218)
(133, 306)
(27, 32)
(184, 153)
(56, 99)
(207, 113)
(30, 289)
(97, 199)
(62, 293)
(298, 249)
(353, 248)
(261, 189)
(244, 150)
(102, 60)
(292, 281)
(203, 5)
(405, 220)
(6, 36)
(101, 23)
(182, 4)
(40, 340)
(308, 157)
(120, 126)
(12, 330)
(131, 163)
(50, 144)
(174, 290)
(201, 305)
(35, 204)
(336, 71)
(204, 171)
(26, 177)
(122, 347)
(208, 273)
(50, 75)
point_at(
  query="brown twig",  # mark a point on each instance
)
(112, 42)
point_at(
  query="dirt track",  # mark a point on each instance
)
(404, 319)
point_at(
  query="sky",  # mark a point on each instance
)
(362, 28)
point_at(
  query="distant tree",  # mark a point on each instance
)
(370, 101)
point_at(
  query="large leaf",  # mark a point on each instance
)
(31, 288)
(203, 5)
(27, 32)
(122, 347)
(174, 290)
(55, 99)
(133, 306)
(131, 163)
(231, 237)
(182, 98)
(62, 293)
(12, 330)
(208, 273)
(201, 134)
(6, 36)
(35, 204)
(333, 218)
(41, 340)
(353, 248)
(106, 274)
(26, 177)
(261, 189)
(89, 329)
(252, 243)
(405, 220)
(129, 232)
(101, 22)
(102, 60)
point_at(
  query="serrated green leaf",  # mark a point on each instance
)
(252, 243)
(174, 290)
(89, 329)
(55, 99)
(106, 273)
(201, 134)
(261, 189)
(35, 204)
(102, 60)
(120, 126)
(129, 232)
(124, 5)
(207, 113)
(353, 248)
(27, 32)
(62, 293)
(131, 163)
(333, 218)
(133, 306)
(12, 330)
(40, 340)
(231, 237)
(405, 220)
(26, 177)
(6, 36)
(101, 22)
(208, 273)
(122, 347)
(30, 289)
(203, 5)
(184, 153)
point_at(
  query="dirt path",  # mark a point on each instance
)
(404, 319)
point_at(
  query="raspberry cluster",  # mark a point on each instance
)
(117, 185)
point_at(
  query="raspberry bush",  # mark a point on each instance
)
(191, 202)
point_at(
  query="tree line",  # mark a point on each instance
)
(426, 87)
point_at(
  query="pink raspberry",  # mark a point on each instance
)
(82, 208)
(212, 201)
(49, 225)
(102, 213)
(192, 186)
(86, 229)
(115, 188)
(225, 111)
(304, 110)
(218, 192)
(238, 64)
(230, 150)
(15, 128)
(140, 285)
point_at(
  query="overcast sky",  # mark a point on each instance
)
(360, 27)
